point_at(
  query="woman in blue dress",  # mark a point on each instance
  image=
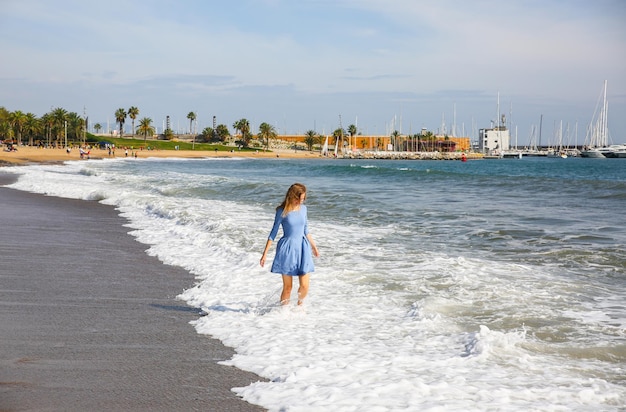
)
(295, 250)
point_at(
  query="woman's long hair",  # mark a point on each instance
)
(292, 198)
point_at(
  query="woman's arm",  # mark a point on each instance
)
(278, 218)
(316, 253)
(267, 248)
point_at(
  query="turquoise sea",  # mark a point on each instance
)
(487, 285)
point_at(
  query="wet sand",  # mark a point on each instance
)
(90, 322)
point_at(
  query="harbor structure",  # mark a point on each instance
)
(494, 140)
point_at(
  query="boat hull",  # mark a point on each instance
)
(616, 155)
(593, 154)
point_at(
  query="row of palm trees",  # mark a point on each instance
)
(267, 132)
(60, 124)
(145, 124)
(54, 127)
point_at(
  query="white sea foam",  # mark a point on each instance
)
(382, 329)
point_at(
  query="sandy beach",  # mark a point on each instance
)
(27, 154)
(90, 321)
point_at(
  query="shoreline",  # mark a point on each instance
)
(32, 155)
(91, 321)
(28, 154)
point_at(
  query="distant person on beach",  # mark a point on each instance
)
(295, 250)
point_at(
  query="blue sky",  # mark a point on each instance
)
(383, 65)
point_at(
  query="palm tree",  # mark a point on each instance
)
(267, 132)
(168, 134)
(207, 134)
(4, 114)
(352, 131)
(394, 138)
(429, 137)
(98, 127)
(32, 127)
(145, 128)
(59, 119)
(243, 125)
(17, 120)
(4, 119)
(311, 138)
(132, 113)
(120, 117)
(6, 131)
(338, 135)
(75, 125)
(47, 122)
(191, 116)
(221, 131)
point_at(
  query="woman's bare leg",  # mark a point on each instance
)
(303, 289)
(286, 293)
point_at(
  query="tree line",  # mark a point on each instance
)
(53, 128)
(58, 126)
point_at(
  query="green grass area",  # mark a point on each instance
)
(161, 144)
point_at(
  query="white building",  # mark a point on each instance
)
(494, 141)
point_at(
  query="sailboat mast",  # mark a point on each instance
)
(356, 128)
(604, 127)
(540, 126)
(340, 137)
(454, 121)
(499, 145)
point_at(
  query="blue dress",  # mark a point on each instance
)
(293, 251)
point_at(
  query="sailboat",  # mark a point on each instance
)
(558, 151)
(325, 148)
(597, 133)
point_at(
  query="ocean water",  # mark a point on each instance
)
(442, 286)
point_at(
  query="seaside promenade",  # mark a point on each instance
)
(90, 322)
